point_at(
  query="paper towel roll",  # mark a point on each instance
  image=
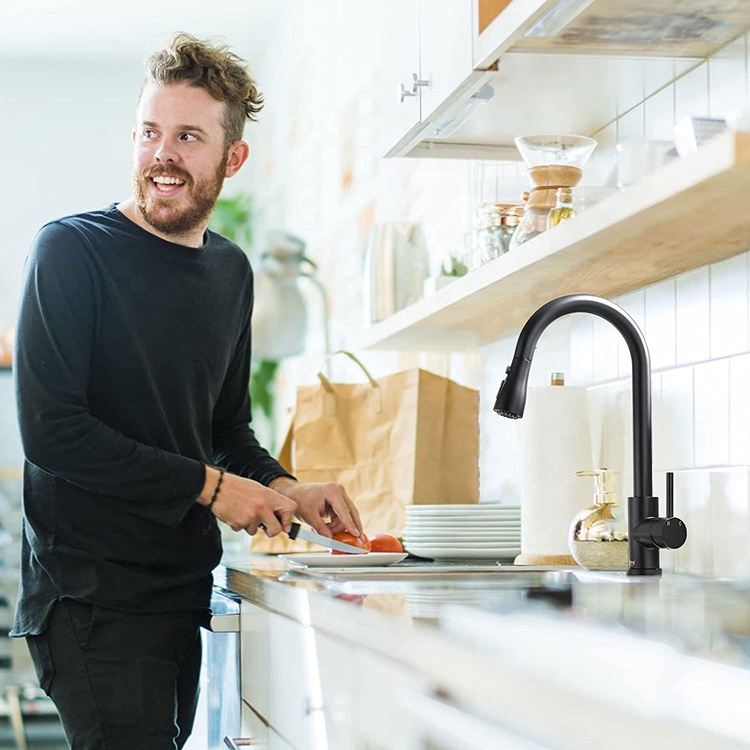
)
(556, 443)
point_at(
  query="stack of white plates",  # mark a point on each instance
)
(487, 531)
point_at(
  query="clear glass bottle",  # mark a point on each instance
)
(495, 225)
(563, 209)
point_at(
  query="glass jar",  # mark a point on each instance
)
(496, 223)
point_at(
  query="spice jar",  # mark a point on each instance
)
(496, 223)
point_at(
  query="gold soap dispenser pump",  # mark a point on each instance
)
(595, 538)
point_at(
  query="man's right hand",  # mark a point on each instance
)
(246, 504)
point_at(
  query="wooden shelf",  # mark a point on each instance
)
(689, 213)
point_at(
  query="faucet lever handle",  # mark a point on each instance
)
(670, 494)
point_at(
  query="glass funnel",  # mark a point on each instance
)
(553, 161)
(563, 150)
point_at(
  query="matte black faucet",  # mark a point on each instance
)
(647, 532)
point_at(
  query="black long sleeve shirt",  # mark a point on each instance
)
(131, 367)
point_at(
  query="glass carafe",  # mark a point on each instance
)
(553, 161)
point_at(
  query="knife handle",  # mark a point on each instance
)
(294, 530)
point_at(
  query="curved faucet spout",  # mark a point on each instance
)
(511, 397)
(645, 527)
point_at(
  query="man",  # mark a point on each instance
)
(132, 367)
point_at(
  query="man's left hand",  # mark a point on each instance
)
(324, 505)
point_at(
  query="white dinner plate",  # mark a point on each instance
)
(453, 553)
(417, 546)
(470, 522)
(478, 515)
(327, 560)
(448, 538)
(459, 506)
(514, 513)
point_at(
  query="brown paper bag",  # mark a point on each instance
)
(408, 438)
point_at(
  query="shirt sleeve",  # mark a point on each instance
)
(235, 446)
(51, 367)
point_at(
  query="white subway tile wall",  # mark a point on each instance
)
(729, 307)
(711, 403)
(739, 410)
(693, 333)
(697, 327)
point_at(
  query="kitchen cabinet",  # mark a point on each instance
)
(556, 67)
(426, 58)
(399, 69)
(340, 674)
(384, 688)
(254, 729)
(647, 233)
(301, 685)
(278, 679)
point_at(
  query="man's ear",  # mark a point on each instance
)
(238, 153)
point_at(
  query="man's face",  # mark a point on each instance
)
(180, 157)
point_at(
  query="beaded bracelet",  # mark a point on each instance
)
(218, 487)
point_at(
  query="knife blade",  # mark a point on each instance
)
(310, 536)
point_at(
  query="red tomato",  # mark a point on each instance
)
(385, 543)
(357, 541)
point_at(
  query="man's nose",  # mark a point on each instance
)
(166, 153)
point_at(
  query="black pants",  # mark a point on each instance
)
(120, 681)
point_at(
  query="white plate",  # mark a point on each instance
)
(418, 510)
(473, 523)
(499, 513)
(460, 507)
(463, 538)
(420, 547)
(327, 560)
(453, 553)
(494, 533)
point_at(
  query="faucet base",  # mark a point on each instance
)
(644, 571)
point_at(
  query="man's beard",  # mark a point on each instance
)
(202, 197)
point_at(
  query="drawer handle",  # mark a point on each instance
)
(237, 743)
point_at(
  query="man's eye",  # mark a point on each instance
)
(148, 133)
(188, 137)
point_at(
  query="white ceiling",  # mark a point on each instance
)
(103, 29)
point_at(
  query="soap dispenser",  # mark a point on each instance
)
(595, 537)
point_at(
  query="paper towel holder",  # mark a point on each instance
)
(643, 507)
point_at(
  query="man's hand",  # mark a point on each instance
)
(324, 505)
(245, 504)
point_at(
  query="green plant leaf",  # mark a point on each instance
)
(262, 374)
(233, 218)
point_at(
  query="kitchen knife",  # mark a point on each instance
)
(310, 536)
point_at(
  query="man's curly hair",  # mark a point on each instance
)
(213, 67)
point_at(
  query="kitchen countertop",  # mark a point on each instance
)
(671, 651)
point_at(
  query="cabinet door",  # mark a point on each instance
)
(339, 677)
(399, 63)
(254, 731)
(255, 647)
(445, 50)
(496, 24)
(383, 687)
(277, 742)
(294, 684)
